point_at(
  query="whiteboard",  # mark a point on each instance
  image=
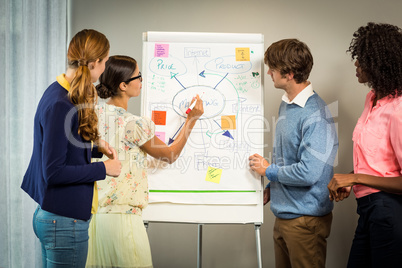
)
(210, 182)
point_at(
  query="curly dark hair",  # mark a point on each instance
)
(378, 48)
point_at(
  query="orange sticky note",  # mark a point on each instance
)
(242, 54)
(228, 122)
(214, 175)
(159, 117)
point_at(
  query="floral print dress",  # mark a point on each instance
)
(125, 132)
(117, 236)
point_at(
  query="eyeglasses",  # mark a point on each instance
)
(133, 78)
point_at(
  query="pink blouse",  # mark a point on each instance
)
(377, 147)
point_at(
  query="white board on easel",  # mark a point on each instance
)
(210, 182)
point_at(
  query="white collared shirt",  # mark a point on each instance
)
(300, 98)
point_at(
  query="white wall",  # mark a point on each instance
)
(326, 26)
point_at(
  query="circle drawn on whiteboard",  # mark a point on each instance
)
(166, 66)
(228, 64)
(214, 101)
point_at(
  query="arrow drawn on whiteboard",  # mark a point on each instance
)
(225, 133)
(173, 75)
(196, 61)
(221, 80)
(218, 124)
(202, 74)
(209, 134)
(171, 140)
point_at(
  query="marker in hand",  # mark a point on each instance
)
(192, 105)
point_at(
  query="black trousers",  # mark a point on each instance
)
(378, 236)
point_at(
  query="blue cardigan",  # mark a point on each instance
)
(304, 152)
(60, 175)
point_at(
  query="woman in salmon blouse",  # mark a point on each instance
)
(377, 149)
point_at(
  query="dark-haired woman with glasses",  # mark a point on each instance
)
(117, 234)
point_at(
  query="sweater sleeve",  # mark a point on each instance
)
(96, 153)
(56, 133)
(317, 149)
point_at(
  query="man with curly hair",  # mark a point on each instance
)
(377, 149)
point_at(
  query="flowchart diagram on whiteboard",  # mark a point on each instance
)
(213, 167)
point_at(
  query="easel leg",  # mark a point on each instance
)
(258, 241)
(199, 246)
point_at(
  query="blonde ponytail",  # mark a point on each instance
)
(86, 46)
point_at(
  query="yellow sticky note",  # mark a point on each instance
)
(242, 54)
(228, 122)
(214, 175)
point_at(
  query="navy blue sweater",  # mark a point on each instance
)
(60, 176)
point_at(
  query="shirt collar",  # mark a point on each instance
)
(301, 98)
(61, 79)
(382, 101)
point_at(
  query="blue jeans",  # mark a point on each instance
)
(64, 240)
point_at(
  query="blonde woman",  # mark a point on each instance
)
(60, 176)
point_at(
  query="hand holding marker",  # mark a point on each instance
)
(190, 120)
(193, 104)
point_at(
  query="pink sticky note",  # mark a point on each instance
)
(161, 50)
(160, 135)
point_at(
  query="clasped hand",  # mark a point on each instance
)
(340, 186)
(112, 165)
